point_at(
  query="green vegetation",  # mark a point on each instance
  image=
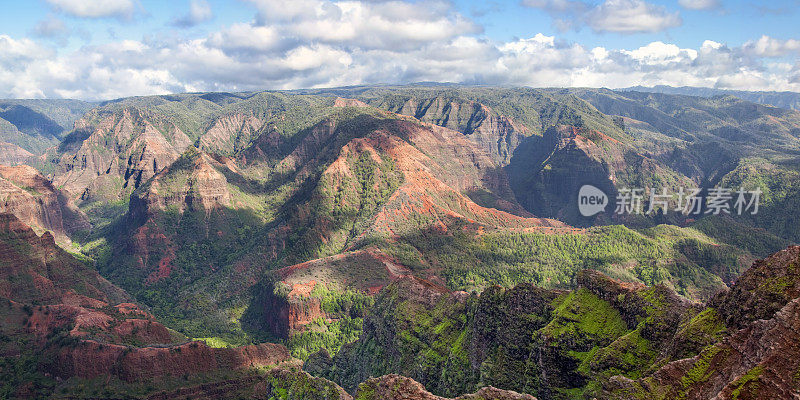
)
(778, 180)
(700, 371)
(20, 373)
(581, 313)
(756, 241)
(322, 334)
(297, 385)
(701, 331)
(551, 344)
(330, 213)
(342, 303)
(345, 311)
(748, 384)
(216, 342)
(551, 260)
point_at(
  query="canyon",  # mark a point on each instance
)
(418, 242)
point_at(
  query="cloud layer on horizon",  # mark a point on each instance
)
(321, 43)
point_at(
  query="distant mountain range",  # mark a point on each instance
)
(789, 100)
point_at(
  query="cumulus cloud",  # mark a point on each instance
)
(767, 46)
(631, 16)
(375, 25)
(244, 37)
(350, 43)
(700, 4)
(620, 16)
(661, 53)
(17, 65)
(199, 12)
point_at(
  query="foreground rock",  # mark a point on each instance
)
(760, 357)
(396, 387)
(291, 384)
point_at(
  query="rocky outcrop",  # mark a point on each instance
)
(497, 135)
(36, 202)
(71, 299)
(63, 311)
(757, 362)
(343, 102)
(194, 182)
(111, 153)
(396, 387)
(301, 385)
(390, 177)
(231, 133)
(91, 319)
(90, 359)
(762, 290)
(757, 325)
(440, 167)
(287, 314)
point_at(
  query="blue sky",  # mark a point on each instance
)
(99, 49)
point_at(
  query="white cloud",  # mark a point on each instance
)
(661, 53)
(631, 16)
(375, 25)
(95, 8)
(766, 46)
(199, 12)
(20, 51)
(243, 37)
(620, 16)
(305, 58)
(700, 4)
(350, 42)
